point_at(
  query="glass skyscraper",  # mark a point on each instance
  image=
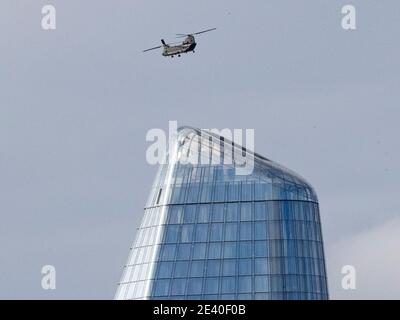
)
(209, 232)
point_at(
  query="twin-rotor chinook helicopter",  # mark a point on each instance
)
(170, 49)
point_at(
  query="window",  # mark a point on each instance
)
(197, 268)
(195, 285)
(245, 231)
(260, 249)
(245, 249)
(216, 232)
(206, 192)
(261, 284)
(231, 231)
(228, 284)
(213, 267)
(162, 287)
(233, 193)
(229, 267)
(263, 191)
(259, 209)
(199, 251)
(232, 212)
(201, 232)
(218, 213)
(260, 230)
(211, 285)
(204, 213)
(175, 214)
(171, 234)
(277, 283)
(178, 286)
(261, 266)
(245, 212)
(181, 269)
(219, 192)
(245, 266)
(244, 284)
(168, 252)
(190, 213)
(187, 233)
(165, 269)
(193, 193)
(230, 250)
(247, 191)
(184, 251)
(214, 250)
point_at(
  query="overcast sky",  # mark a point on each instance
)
(76, 104)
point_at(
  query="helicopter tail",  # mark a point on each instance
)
(164, 44)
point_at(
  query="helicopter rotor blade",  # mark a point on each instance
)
(152, 48)
(205, 31)
(181, 35)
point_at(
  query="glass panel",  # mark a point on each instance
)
(165, 269)
(261, 284)
(178, 286)
(245, 231)
(195, 285)
(190, 213)
(260, 211)
(219, 192)
(245, 266)
(197, 268)
(199, 251)
(244, 284)
(245, 212)
(171, 233)
(229, 267)
(184, 251)
(181, 269)
(230, 250)
(260, 230)
(175, 214)
(233, 193)
(162, 287)
(231, 231)
(204, 213)
(228, 284)
(213, 267)
(216, 232)
(245, 250)
(211, 285)
(247, 191)
(261, 266)
(232, 212)
(214, 251)
(260, 248)
(187, 233)
(168, 252)
(201, 232)
(218, 213)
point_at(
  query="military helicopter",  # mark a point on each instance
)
(171, 49)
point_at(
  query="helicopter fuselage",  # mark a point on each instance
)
(187, 45)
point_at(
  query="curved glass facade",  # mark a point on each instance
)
(210, 233)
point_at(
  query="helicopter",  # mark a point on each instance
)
(188, 44)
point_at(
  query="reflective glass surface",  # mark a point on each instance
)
(213, 234)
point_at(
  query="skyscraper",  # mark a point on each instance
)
(212, 231)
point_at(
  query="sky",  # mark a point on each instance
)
(76, 104)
